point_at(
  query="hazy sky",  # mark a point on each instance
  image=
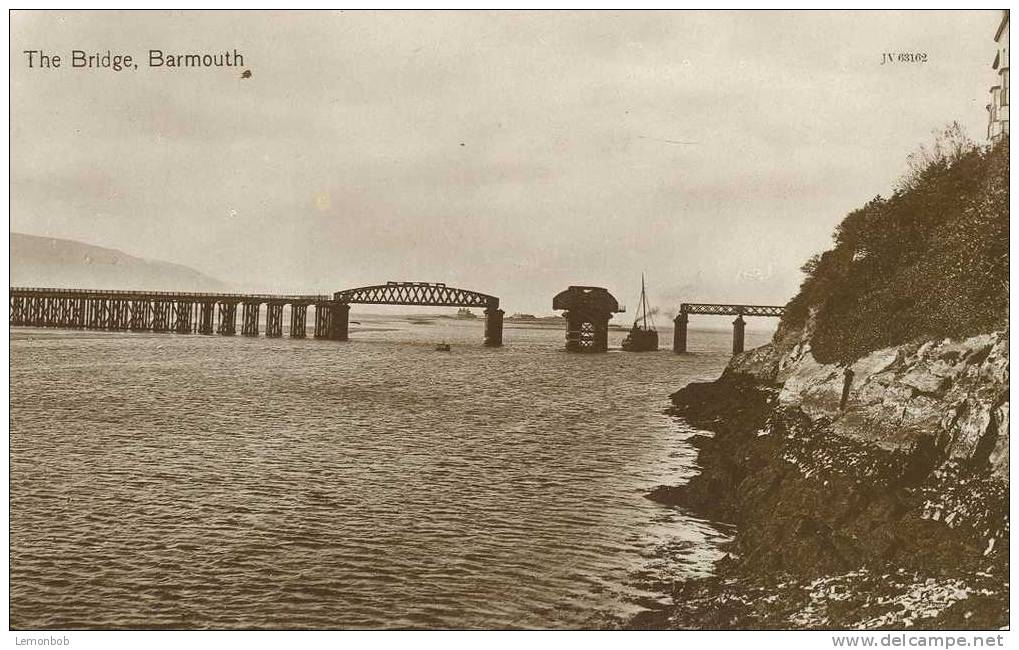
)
(511, 152)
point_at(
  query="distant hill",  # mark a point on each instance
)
(51, 262)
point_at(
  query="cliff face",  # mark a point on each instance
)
(951, 396)
(887, 511)
(865, 495)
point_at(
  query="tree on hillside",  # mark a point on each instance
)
(930, 261)
(949, 144)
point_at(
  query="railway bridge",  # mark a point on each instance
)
(738, 325)
(420, 294)
(216, 313)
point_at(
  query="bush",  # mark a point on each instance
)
(929, 262)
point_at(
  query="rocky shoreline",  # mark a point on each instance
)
(855, 511)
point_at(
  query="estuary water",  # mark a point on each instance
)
(164, 481)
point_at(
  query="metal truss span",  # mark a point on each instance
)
(416, 293)
(731, 310)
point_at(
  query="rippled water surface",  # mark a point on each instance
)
(213, 482)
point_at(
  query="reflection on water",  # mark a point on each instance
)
(209, 482)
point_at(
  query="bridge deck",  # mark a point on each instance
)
(138, 294)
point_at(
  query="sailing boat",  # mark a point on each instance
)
(642, 337)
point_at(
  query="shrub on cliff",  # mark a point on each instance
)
(931, 261)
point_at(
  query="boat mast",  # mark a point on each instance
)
(643, 300)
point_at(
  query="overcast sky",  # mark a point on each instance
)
(512, 153)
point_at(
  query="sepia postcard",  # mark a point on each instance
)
(503, 319)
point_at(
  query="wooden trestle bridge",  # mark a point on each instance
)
(216, 313)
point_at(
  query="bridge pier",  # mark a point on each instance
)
(587, 332)
(206, 316)
(298, 320)
(161, 310)
(332, 321)
(679, 333)
(227, 318)
(588, 310)
(182, 317)
(340, 329)
(63, 316)
(105, 313)
(78, 311)
(323, 319)
(493, 327)
(17, 311)
(94, 314)
(31, 309)
(139, 315)
(274, 319)
(45, 313)
(738, 328)
(120, 314)
(249, 319)
(41, 313)
(56, 306)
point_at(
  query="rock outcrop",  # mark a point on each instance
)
(863, 456)
(864, 496)
(949, 394)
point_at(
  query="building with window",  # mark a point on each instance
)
(997, 110)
